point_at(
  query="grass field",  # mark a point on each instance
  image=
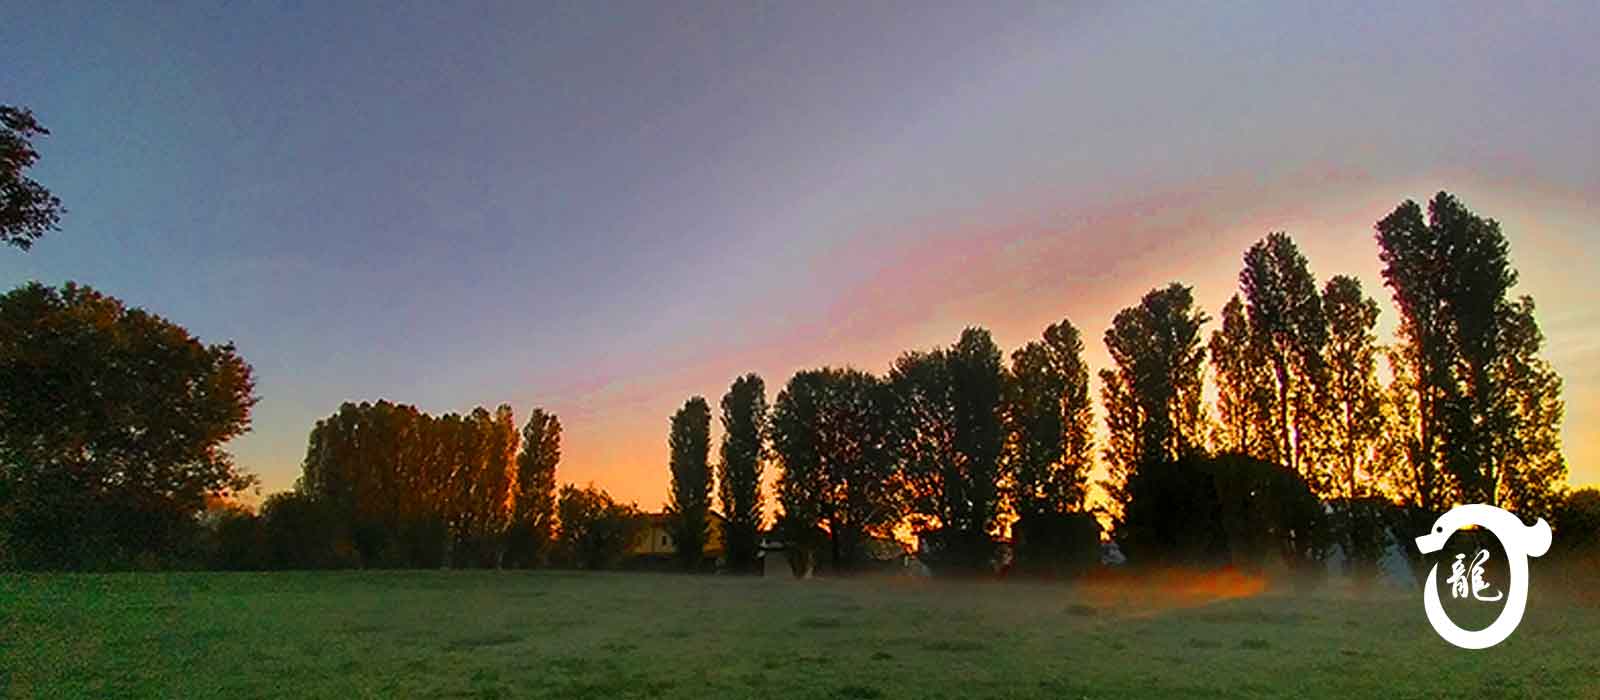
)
(598, 635)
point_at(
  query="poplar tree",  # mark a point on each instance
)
(690, 498)
(743, 451)
(1152, 394)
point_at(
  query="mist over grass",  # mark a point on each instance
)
(583, 635)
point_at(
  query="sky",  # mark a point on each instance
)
(605, 208)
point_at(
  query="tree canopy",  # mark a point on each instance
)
(112, 426)
(689, 502)
(743, 451)
(27, 210)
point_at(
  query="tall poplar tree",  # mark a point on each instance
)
(1152, 395)
(1244, 388)
(1289, 330)
(690, 499)
(744, 429)
(1487, 406)
(533, 523)
(1353, 413)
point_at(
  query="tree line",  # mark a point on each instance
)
(954, 441)
(114, 420)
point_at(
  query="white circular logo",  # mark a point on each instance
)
(1519, 541)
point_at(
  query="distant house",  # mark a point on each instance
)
(654, 545)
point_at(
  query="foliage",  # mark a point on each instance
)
(27, 209)
(1152, 395)
(411, 487)
(1056, 543)
(1224, 510)
(1577, 521)
(1353, 423)
(299, 531)
(1288, 330)
(1050, 424)
(837, 472)
(112, 423)
(1486, 406)
(595, 530)
(690, 499)
(949, 433)
(1244, 387)
(533, 516)
(744, 429)
(1049, 452)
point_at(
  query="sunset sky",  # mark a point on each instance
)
(605, 208)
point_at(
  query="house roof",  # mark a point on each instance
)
(664, 517)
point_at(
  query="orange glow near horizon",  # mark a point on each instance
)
(916, 286)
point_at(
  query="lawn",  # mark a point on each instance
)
(600, 635)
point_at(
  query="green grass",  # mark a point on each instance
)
(591, 635)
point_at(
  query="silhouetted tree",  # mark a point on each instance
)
(1223, 510)
(1152, 397)
(1050, 451)
(415, 490)
(595, 530)
(1288, 330)
(1486, 406)
(949, 430)
(27, 209)
(234, 537)
(744, 429)
(1353, 421)
(112, 421)
(690, 499)
(533, 520)
(301, 532)
(830, 434)
(1245, 387)
(1577, 521)
(1530, 471)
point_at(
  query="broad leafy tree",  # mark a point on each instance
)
(595, 530)
(1152, 394)
(690, 499)
(27, 209)
(838, 479)
(112, 426)
(743, 450)
(1050, 448)
(950, 436)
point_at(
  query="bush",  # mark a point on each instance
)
(1056, 544)
(237, 543)
(1223, 510)
(952, 552)
(595, 530)
(300, 532)
(1577, 522)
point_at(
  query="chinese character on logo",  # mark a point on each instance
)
(1519, 542)
(1458, 578)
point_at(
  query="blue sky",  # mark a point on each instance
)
(603, 208)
